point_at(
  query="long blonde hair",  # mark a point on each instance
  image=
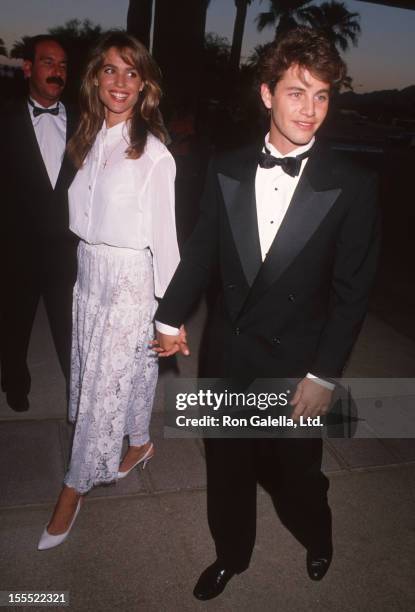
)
(145, 117)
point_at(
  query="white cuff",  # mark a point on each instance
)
(163, 328)
(320, 381)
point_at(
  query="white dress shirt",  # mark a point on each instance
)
(50, 133)
(274, 189)
(128, 203)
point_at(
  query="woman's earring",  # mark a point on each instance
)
(96, 82)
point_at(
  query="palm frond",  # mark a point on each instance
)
(265, 20)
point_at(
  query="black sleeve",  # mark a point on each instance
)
(353, 275)
(198, 258)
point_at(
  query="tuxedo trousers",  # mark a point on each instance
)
(47, 273)
(289, 470)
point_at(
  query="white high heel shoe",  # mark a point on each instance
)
(144, 460)
(48, 540)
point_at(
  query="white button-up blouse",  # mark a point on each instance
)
(128, 203)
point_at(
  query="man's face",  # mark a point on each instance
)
(298, 106)
(47, 73)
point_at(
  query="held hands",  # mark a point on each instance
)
(166, 345)
(310, 399)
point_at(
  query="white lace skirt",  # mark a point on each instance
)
(113, 372)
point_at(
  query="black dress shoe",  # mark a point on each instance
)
(17, 401)
(212, 581)
(317, 565)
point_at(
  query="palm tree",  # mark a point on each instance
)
(139, 17)
(76, 32)
(17, 51)
(2, 48)
(341, 26)
(257, 55)
(77, 36)
(238, 33)
(284, 14)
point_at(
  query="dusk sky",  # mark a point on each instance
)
(383, 59)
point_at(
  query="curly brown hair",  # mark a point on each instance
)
(145, 116)
(306, 47)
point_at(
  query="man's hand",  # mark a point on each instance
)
(310, 399)
(166, 345)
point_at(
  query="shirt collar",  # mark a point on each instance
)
(115, 132)
(36, 104)
(274, 151)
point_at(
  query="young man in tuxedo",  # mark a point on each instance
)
(295, 229)
(38, 251)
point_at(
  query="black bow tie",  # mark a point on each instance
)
(41, 111)
(290, 165)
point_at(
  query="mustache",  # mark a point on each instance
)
(56, 79)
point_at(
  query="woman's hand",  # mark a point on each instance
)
(166, 345)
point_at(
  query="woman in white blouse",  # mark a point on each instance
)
(121, 205)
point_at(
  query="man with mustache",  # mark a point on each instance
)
(38, 251)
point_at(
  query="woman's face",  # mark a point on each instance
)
(119, 85)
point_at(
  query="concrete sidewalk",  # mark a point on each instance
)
(140, 544)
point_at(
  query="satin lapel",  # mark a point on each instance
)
(71, 121)
(305, 213)
(239, 198)
(31, 146)
(66, 166)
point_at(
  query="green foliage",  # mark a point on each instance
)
(257, 54)
(216, 47)
(17, 51)
(340, 25)
(216, 54)
(76, 30)
(77, 36)
(283, 14)
(3, 50)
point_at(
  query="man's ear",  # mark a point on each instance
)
(266, 95)
(27, 69)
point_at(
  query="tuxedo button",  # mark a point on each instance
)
(231, 287)
(237, 331)
(291, 297)
(275, 340)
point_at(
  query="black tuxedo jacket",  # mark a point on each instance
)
(34, 215)
(302, 308)
(34, 208)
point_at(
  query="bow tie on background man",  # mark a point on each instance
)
(290, 165)
(41, 111)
